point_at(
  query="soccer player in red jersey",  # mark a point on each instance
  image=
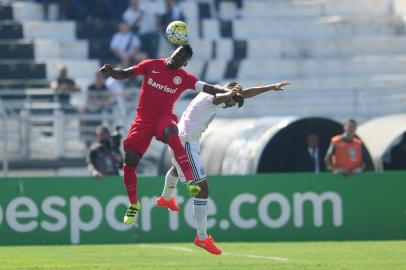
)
(164, 81)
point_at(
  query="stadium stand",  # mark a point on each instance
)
(344, 57)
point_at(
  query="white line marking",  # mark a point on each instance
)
(280, 259)
(167, 247)
(252, 256)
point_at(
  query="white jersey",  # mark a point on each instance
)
(197, 117)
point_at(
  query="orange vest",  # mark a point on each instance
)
(348, 154)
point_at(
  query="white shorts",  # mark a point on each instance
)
(193, 151)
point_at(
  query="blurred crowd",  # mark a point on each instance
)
(138, 36)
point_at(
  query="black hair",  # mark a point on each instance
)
(231, 84)
(351, 120)
(188, 49)
(103, 129)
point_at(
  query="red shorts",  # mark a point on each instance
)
(142, 131)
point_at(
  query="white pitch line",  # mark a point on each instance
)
(167, 247)
(280, 259)
(252, 256)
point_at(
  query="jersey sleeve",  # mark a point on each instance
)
(142, 67)
(191, 81)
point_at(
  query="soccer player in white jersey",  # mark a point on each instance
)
(194, 121)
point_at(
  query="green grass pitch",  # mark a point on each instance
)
(367, 255)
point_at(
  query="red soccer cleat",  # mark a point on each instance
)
(208, 244)
(170, 204)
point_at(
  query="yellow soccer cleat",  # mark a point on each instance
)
(192, 189)
(130, 215)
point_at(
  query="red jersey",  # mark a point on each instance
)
(161, 87)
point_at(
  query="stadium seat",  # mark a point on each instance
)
(78, 69)
(16, 50)
(215, 70)
(190, 10)
(224, 49)
(58, 31)
(359, 7)
(22, 71)
(196, 68)
(282, 9)
(75, 49)
(10, 30)
(203, 48)
(100, 49)
(20, 84)
(6, 13)
(228, 10)
(46, 48)
(27, 11)
(211, 29)
(95, 30)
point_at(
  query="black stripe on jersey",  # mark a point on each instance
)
(189, 153)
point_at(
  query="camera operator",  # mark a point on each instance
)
(104, 156)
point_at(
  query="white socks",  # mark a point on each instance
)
(200, 212)
(170, 185)
(199, 205)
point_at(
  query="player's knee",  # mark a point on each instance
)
(132, 158)
(168, 132)
(174, 172)
(204, 192)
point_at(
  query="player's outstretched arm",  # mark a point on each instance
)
(214, 89)
(254, 91)
(223, 97)
(116, 73)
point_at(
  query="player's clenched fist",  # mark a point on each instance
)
(237, 89)
(106, 69)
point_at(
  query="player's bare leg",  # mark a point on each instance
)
(166, 199)
(130, 180)
(202, 239)
(171, 137)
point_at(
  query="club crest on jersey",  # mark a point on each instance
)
(177, 80)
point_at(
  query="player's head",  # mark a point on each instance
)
(123, 27)
(350, 127)
(180, 56)
(63, 72)
(102, 133)
(230, 102)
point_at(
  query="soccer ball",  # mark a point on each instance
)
(176, 32)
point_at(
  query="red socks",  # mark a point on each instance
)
(130, 182)
(181, 156)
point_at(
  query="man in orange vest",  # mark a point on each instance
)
(346, 154)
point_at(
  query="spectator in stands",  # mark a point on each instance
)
(103, 159)
(144, 22)
(64, 87)
(99, 97)
(172, 13)
(126, 46)
(310, 158)
(397, 156)
(346, 154)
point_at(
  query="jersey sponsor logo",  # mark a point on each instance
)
(177, 80)
(164, 88)
(153, 71)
